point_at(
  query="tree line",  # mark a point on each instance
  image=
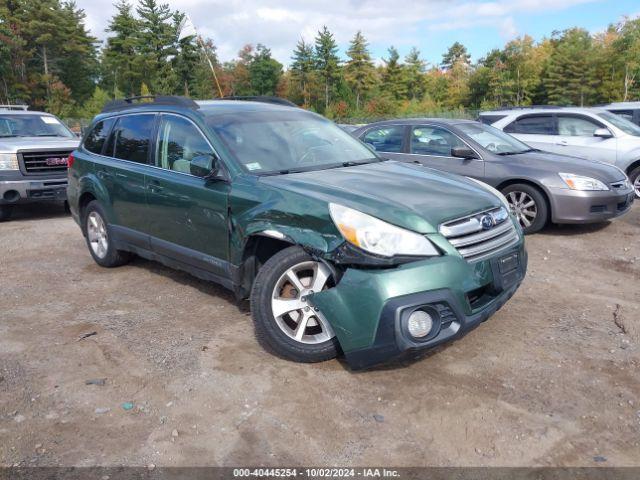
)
(50, 60)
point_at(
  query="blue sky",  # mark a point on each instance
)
(430, 25)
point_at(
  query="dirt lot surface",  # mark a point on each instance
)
(552, 379)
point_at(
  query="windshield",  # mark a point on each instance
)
(492, 139)
(284, 141)
(622, 123)
(32, 125)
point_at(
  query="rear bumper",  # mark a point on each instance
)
(24, 191)
(369, 309)
(572, 206)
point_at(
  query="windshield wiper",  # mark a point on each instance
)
(518, 152)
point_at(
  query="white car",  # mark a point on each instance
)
(591, 133)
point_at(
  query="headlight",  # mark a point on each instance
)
(497, 193)
(578, 182)
(378, 237)
(9, 161)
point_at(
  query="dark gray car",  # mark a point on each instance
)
(538, 186)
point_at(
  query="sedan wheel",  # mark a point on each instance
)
(97, 235)
(636, 186)
(290, 306)
(523, 207)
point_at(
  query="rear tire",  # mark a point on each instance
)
(99, 237)
(529, 206)
(298, 332)
(634, 178)
(5, 212)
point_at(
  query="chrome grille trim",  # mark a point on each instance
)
(475, 243)
(482, 236)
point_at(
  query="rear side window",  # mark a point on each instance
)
(533, 125)
(385, 139)
(130, 138)
(628, 114)
(490, 119)
(98, 135)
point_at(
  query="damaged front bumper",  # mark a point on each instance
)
(369, 308)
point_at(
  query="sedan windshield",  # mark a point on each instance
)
(285, 141)
(32, 125)
(492, 139)
(622, 123)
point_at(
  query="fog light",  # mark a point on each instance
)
(420, 324)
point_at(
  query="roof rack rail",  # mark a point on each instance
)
(526, 107)
(134, 102)
(262, 98)
(14, 107)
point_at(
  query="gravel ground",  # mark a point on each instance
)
(552, 379)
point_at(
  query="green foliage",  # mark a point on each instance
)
(327, 62)
(264, 72)
(50, 60)
(359, 72)
(456, 53)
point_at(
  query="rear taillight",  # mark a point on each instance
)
(70, 160)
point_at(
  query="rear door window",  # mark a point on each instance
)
(386, 139)
(533, 125)
(98, 135)
(131, 137)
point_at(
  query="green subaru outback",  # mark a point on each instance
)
(337, 249)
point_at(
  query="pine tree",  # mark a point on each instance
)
(393, 75)
(157, 41)
(302, 69)
(359, 71)
(327, 61)
(456, 53)
(414, 68)
(120, 70)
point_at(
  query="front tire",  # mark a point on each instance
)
(286, 323)
(5, 212)
(634, 178)
(529, 206)
(98, 235)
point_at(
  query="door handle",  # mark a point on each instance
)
(562, 143)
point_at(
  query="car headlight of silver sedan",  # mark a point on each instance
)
(578, 182)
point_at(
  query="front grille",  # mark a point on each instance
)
(477, 237)
(42, 162)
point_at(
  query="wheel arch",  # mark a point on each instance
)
(531, 183)
(632, 166)
(262, 243)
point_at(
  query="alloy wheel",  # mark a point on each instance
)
(97, 234)
(636, 186)
(523, 207)
(292, 311)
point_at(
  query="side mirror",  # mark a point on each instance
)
(602, 133)
(463, 152)
(370, 146)
(204, 166)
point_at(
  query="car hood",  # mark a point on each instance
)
(14, 144)
(407, 195)
(553, 162)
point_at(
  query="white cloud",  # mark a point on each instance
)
(279, 24)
